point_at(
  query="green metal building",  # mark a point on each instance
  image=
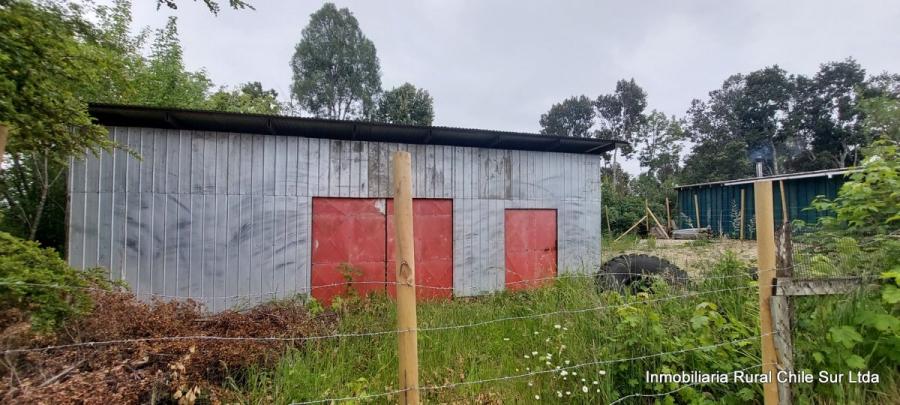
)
(719, 202)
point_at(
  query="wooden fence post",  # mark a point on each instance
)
(765, 244)
(782, 306)
(408, 351)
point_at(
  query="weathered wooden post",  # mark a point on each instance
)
(782, 307)
(765, 245)
(406, 280)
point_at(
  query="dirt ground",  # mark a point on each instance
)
(694, 257)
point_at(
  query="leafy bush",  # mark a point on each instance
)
(861, 332)
(25, 271)
(869, 203)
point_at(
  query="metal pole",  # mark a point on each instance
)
(406, 280)
(765, 245)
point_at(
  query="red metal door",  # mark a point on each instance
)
(433, 235)
(347, 231)
(530, 244)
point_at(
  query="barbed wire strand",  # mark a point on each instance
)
(536, 372)
(362, 334)
(349, 284)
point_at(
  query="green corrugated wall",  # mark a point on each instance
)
(720, 205)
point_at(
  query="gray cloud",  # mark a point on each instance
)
(501, 64)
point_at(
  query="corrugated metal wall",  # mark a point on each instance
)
(720, 204)
(227, 215)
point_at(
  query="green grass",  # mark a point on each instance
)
(628, 326)
(367, 365)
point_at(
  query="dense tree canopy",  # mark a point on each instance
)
(47, 57)
(574, 116)
(621, 114)
(406, 104)
(249, 98)
(336, 69)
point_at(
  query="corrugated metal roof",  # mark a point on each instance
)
(202, 120)
(788, 176)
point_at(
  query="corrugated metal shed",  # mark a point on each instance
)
(720, 201)
(225, 216)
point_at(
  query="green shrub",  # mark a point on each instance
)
(39, 283)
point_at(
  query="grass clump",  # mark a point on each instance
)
(579, 357)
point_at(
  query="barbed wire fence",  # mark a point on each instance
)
(800, 254)
(637, 300)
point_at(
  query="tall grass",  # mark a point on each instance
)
(627, 325)
(630, 325)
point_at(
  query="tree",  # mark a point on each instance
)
(746, 118)
(54, 61)
(621, 114)
(45, 68)
(164, 82)
(572, 117)
(406, 105)
(659, 145)
(336, 69)
(763, 110)
(828, 117)
(882, 117)
(250, 98)
(715, 161)
(212, 5)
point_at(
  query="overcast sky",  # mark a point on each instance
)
(501, 64)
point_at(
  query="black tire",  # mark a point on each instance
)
(637, 272)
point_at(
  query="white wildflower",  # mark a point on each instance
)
(564, 372)
(602, 372)
(534, 353)
(537, 397)
(557, 326)
(559, 394)
(584, 389)
(527, 356)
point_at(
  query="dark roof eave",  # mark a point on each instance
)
(200, 120)
(787, 176)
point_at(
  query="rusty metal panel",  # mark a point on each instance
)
(530, 243)
(347, 232)
(433, 236)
